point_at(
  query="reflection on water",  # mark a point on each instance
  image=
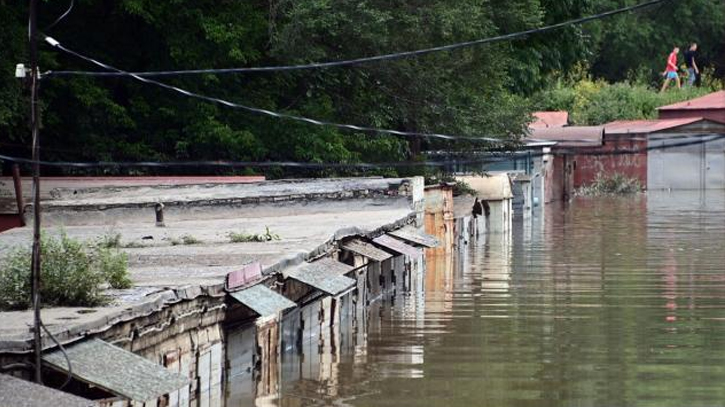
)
(606, 302)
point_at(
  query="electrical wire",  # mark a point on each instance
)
(69, 376)
(483, 158)
(377, 58)
(62, 16)
(271, 113)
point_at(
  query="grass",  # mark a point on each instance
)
(73, 273)
(616, 184)
(185, 240)
(235, 237)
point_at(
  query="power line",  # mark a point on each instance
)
(377, 58)
(271, 113)
(483, 158)
(62, 16)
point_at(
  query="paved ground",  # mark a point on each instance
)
(160, 264)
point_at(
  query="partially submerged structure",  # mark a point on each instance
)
(682, 149)
(581, 154)
(684, 153)
(495, 194)
(209, 311)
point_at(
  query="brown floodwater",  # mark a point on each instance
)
(601, 302)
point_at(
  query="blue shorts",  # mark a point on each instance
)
(671, 75)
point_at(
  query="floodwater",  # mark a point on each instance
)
(603, 302)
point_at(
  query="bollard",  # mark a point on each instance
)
(160, 215)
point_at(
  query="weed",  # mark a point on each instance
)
(235, 237)
(73, 273)
(616, 184)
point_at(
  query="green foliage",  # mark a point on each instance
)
(114, 266)
(477, 91)
(615, 184)
(110, 240)
(72, 274)
(242, 237)
(459, 187)
(595, 102)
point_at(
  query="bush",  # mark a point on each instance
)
(72, 274)
(596, 102)
(616, 184)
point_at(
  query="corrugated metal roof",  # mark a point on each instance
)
(715, 100)
(397, 246)
(412, 235)
(117, 371)
(324, 275)
(572, 136)
(366, 249)
(646, 126)
(16, 392)
(262, 300)
(550, 119)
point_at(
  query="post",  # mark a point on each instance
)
(35, 128)
(18, 193)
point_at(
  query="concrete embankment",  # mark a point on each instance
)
(342, 244)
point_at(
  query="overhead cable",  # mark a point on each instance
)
(266, 112)
(482, 158)
(377, 58)
(62, 16)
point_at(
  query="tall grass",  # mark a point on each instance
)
(73, 273)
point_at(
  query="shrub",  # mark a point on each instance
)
(616, 184)
(235, 237)
(189, 239)
(596, 102)
(72, 274)
(459, 187)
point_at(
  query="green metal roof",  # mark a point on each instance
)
(262, 300)
(116, 370)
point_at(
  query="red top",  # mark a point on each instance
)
(671, 63)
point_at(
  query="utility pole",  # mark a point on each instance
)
(35, 129)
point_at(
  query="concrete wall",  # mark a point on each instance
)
(439, 217)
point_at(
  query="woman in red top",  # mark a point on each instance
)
(671, 70)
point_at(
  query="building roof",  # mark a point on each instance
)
(549, 119)
(715, 100)
(571, 136)
(397, 246)
(325, 275)
(366, 249)
(116, 370)
(412, 235)
(16, 392)
(646, 126)
(262, 300)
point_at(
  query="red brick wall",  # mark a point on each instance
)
(588, 167)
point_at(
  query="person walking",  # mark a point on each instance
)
(670, 72)
(692, 71)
